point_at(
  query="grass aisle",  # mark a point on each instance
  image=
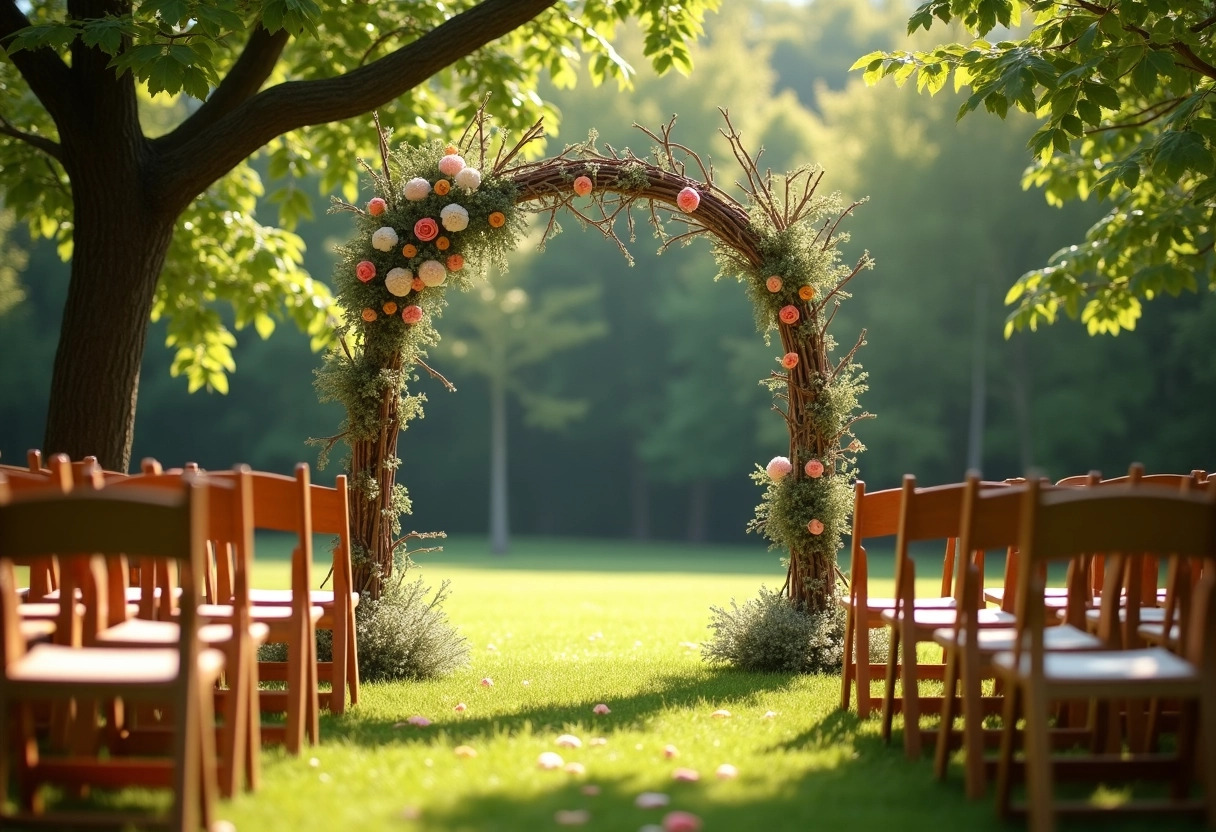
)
(556, 639)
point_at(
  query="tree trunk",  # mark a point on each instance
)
(500, 532)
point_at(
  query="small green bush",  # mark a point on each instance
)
(400, 636)
(771, 634)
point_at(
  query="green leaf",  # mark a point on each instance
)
(1102, 95)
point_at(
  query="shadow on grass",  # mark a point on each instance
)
(704, 691)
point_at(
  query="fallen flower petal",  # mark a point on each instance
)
(670, 751)
(591, 790)
(727, 772)
(685, 775)
(769, 714)
(487, 682)
(572, 817)
(569, 741)
(460, 707)
(721, 713)
(651, 800)
(466, 751)
(599, 741)
(420, 721)
(549, 760)
(681, 822)
(575, 768)
(601, 709)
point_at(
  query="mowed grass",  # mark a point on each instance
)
(560, 626)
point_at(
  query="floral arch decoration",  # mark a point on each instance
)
(442, 214)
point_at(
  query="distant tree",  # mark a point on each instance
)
(12, 262)
(1124, 91)
(499, 331)
(158, 221)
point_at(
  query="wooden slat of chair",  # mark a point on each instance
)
(926, 514)
(991, 520)
(284, 504)
(108, 524)
(875, 516)
(229, 531)
(1058, 527)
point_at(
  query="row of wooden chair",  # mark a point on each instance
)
(138, 602)
(1051, 649)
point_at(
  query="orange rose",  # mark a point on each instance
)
(806, 292)
(369, 314)
(498, 219)
(410, 250)
(455, 262)
(417, 285)
(450, 150)
(443, 243)
(389, 308)
(442, 186)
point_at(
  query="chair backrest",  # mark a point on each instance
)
(108, 524)
(1064, 525)
(331, 515)
(875, 515)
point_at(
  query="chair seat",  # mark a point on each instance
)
(140, 631)
(996, 640)
(283, 597)
(881, 604)
(269, 614)
(1107, 668)
(1148, 615)
(932, 618)
(996, 594)
(36, 630)
(107, 668)
(1155, 633)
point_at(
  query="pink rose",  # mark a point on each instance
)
(688, 199)
(601, 709)
(773, 284)
(582, 185)
(365, 271)
(790, 360)
(814, 527)
(778, 467)
(681, 822)
(376, 206)
(814, 469)
(426, 229)
(451, 164)
(411, 314)
(788, 314)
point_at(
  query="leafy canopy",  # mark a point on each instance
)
(1123, 91)
(223, 257)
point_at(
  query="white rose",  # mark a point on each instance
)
(398, 282)
(454, 217)
(432, 273)
(416, 189)
(384, 239)
(469, 179)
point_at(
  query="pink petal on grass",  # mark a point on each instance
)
(466, 751)
(681, 822)
(575, 768)
(721, 713)
(572, 817)
(670, 751)
(727, 772)
(420, 721)
(550, 760)
(651, 800)
(568, 741)
(460, 707)
(685, 775)
(591, 790)
(601, 709)
(487, 682)
(769, 714)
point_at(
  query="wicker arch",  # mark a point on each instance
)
(781, 242)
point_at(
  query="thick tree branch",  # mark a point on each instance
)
(42, 143)
(246, 77)
(190, 167)
(42, 69)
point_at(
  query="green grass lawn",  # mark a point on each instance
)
(560, 626)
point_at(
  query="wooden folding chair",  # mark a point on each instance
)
(229, 536)
(926, 514)
(875, 515)
(1058, 527)
(108, 524)
(331, 515)
(283, 504)
(991, 521)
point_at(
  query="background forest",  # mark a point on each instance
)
(629, 395)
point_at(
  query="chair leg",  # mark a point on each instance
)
(297, 678)
(1004, 775)
(911, 698)
(941, 752)
(973, 728)
(861, 638)
(207, 781)
(1207, 763)
(849, 671)
(337, 672)
(888, 696)
(352, 657)
(1038, 764)
(1188, 719)
(189, 771)
(253, 748)
(312, 724)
